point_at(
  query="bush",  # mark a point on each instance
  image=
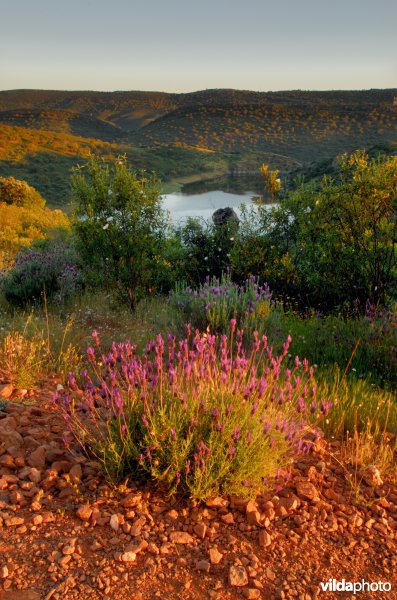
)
(331, 246)
(217, 301)
(50, 267)
(201, 416)
(120, 225)
(19, 193)
(207, 248)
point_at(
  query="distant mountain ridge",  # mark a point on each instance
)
(171, 132)
(133, 110)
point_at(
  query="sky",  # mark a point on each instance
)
(182, 46)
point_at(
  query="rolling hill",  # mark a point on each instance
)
(43, 133)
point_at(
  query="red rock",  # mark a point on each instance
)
(84, 512)
(76, 472)
(264, 539)
(371, 476)
(37, 520)
(307, 490)
(7, 462)
(3, 572)
(114, 522)
(6, 391)
(215, 556)
(203, 565)
(228, 518)
(131, 500)
(200, 530)
(8, 436)
(37, 458)
(180, 537)
(238, 576)
(20, 595)
(128, 557)
(217, 502)
(14, 521)
(251, 593)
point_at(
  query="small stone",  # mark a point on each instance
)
(68, 549)
(14, 521)
(251, 593)
(128, 557)
(131, 500)
(371, 476)
(114, 522)
(34, 475)
(306, 490)
(6, 391)
(217, 502)
(215, 556)
(203, 565)
(37, 458)
(3, 572)
(264, 539)
(180, 537)
(173, 514)
(200, 529)
(76, 472)
(228, 518)
(84, 512)
(238, 576)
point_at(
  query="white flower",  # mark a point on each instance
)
(205, 257)
(278, 180)
(308, 210)
(232, 239)
(109, 219)
(106, 226)
(110, 192)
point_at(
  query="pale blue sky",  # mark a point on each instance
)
(175, 45)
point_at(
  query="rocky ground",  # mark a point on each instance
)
(65, 533)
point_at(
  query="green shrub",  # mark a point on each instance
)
(120, 225)
(214, 303)
(49, 268)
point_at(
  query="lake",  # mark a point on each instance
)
(182, 205)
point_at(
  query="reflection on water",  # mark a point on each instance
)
(203, 205)
(202, 199)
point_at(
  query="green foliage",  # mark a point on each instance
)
(19, 193)
(49, 270)
(357, 405)
(332, 246)
(207, 248)
(366, 343)
(213, 304)
(24, 218)
(119, 224)
(199, 415)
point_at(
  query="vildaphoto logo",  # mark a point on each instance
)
(333, 585)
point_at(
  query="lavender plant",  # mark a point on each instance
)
(201, 415)
(217, 301)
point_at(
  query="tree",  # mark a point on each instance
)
(119, 223)
(19, 193)
(332, 244)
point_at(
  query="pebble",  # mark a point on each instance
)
(238, 576)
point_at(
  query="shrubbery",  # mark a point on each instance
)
(50, 267)
(328, 247)
(201, 415)
(120, 225)
(214, 303)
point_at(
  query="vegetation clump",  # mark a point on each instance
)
(119, 224)
(202, 415)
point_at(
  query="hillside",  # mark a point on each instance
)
(46, 132)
